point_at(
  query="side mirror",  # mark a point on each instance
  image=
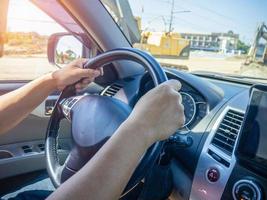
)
(64, 48)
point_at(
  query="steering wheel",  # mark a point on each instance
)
(94, 119)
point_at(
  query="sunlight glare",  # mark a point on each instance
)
(23, 16)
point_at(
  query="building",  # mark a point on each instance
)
(224, 42)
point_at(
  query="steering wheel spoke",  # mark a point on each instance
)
(67, 104)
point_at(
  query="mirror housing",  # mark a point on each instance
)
(64, 47)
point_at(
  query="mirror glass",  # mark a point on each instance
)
(68, 49)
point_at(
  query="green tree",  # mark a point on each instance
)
(242, 46)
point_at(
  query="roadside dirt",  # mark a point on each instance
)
(28, 68)
(23, 68)
(208, 64)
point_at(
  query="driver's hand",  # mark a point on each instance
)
(159, 113)
(73, 73)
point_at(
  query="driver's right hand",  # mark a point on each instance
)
(159, 113)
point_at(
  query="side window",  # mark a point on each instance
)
(24, 32)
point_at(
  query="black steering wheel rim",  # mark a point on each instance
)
(158, 76)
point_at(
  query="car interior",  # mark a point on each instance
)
(219, 153)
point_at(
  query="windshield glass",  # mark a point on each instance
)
(222, 37)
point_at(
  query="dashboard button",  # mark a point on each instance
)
(213, 175)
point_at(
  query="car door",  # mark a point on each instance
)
(24, 59)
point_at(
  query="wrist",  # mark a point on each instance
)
(56, 79)
(140, 129)
(50, 81)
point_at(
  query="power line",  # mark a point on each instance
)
(212, 11)
(186, 9)
(232, 25)
(230, 19)
(205, 29)
(205, 17)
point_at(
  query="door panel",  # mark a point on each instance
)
(34, 126)
(6, 87)
(15, 157)
(24, 58)
(31, 128)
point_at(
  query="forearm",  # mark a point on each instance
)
(107, 173)
(16, 105)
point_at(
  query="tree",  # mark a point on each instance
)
(242, 46)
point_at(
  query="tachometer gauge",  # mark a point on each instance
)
(189, 107)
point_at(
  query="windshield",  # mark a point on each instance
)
(222, 37)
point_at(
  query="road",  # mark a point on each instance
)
(23, 68)
(208, 62)
(28, 68)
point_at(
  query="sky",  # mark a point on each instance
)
(24, 16)
(205, 16)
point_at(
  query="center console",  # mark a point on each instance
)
(248, 180)
(233, 160)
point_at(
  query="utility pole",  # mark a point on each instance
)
(171, 17)
(173, 12)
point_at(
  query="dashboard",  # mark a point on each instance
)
(215, 112)
(195, 105)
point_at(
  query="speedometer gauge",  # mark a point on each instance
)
(189, 107)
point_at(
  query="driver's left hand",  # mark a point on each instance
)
(73, 73)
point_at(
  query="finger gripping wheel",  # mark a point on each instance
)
(91, 125)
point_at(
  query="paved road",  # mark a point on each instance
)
(208, 64)
(13, 68)
(29, 68)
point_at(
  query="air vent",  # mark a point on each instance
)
(226, 134)
(111, 90)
